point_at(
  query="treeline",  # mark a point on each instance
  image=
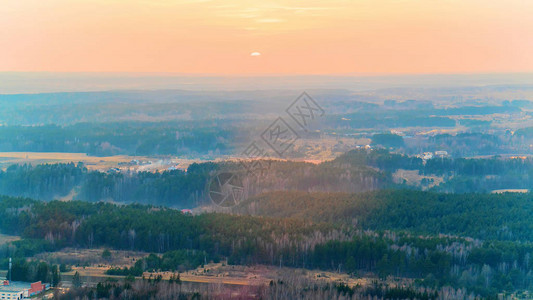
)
(478, 141)
(52, 181)
(377, 158)
(460, 175)
(179, 188)
(471, 144)
(383, 119)
(139, 138)
(500, 263)
(144, 106)
(157, 229)
(387, 140)
(45, 181)
(483, 268)
(32, 271)
(285, 288)
(484, 216)
(389, 161)
(412, 115)
(356, 171)
(175, 260)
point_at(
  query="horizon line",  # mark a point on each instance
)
(237, 75)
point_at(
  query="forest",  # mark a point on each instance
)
(271, 150)
(344, 215)
(104, 139)
(356, 171)
(285, 288)
(497, 216)
(423, 235)
(195, 124)
(177, 188)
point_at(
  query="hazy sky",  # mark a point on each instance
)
(267, 37)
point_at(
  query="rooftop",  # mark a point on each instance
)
(15, 286)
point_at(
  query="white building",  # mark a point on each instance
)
(16, 290)
(13, 292)
(441, 153)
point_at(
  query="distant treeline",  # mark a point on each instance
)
(461, 175)
(139, 138)
(353, 172)
(138, 106)
(179, 188)
(460, 145)
(52, 181)
(417, 114)
(218, 137)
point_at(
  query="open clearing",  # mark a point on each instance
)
(219, 273)
(91, 257)
(95, 162)
(4, 239)
(92, 162)
(149, 164)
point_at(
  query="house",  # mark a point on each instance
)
(427, 155)
(441, 153)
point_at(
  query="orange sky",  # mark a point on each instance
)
(293, 37)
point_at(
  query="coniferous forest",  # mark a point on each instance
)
(355, 210)
(426, 236)
(270, 150)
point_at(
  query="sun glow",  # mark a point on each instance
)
(208, 36)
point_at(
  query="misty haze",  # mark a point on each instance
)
(266, 150)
